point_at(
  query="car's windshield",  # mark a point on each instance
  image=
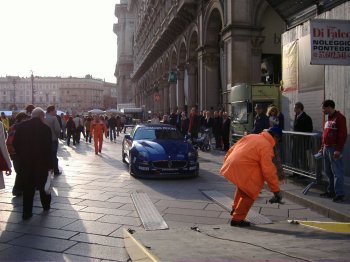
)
(151, 133)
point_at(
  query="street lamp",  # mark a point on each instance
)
(32, 81)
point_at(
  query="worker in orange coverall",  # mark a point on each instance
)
(248, 164)
(97, 129)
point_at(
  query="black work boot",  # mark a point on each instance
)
(241, 223)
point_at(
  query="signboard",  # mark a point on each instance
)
(330, 42)
(290, 66)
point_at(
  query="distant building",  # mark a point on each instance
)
(68, 94)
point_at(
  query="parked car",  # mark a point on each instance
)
(159, 150)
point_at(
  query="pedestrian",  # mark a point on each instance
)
(33, 145)
(248, 164)
(185, 122)
(17, 189)
(79, 128)
(63, 131)
(118, 124)
(194, 124)
(112, 123)
(29, 109)
(225, 131)
(173, 118)
(155, 119)
(87, 125)
(71, 131)
(272, 114)
(217, 130)
(261, 121)
(302, 121)
(5, 162)
(52, 122)
(5, 122)
(333, 141)
(97, 129)
(165, 119)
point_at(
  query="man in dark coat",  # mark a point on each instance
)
(261, 121)
(33, 144)
(226, 124)
(302, 121)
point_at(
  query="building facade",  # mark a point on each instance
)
(175, 54)
(68, 94)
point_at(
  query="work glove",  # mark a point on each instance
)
(277, 197)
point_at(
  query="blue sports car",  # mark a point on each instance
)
(159, 150)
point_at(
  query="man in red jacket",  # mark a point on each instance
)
(248, 164)
(333, 141)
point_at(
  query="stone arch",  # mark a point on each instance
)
(212, 84)
(182, 54)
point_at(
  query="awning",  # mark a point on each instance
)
(131, 110)
(297, 12)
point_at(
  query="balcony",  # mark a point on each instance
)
(179, 17)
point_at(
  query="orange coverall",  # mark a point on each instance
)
(97, 129)
(248, 164)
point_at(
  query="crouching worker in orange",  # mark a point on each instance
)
(97, 129)
(248, 164)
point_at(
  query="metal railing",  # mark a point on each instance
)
(297, 154)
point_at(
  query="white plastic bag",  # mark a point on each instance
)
(48, 184)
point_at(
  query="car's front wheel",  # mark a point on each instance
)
(131, 168)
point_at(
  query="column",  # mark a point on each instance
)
(172, 97)
(192, 97)
(180, 94)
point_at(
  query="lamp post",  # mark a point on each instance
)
(32, 81)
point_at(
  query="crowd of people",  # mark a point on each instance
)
(30, 140)
(218, 124)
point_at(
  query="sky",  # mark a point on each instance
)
(58, 38)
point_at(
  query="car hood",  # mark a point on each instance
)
(172, 148)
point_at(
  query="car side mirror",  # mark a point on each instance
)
(128, 137)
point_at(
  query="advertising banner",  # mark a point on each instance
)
(290, 67)
(330, 42)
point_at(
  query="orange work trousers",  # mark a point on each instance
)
(98, 141)
(241, 205)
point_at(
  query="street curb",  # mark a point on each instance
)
(325, 211)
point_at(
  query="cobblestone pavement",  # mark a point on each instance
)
(91, 204)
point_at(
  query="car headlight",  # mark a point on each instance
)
(143, 155)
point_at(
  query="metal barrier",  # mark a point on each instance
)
(297, 154)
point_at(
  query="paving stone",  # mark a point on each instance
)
(99, 251)
(10, 216)
(267, 211)
(214, 207)
(3, 246)
(108, 211)
(195, 219)
(130, 207)
(48, 221)
(121, 220)
(43, 243)
(97, 239)
(302, 213)
(6, 236)
(120, 199)
(92, 227)
(16, 253)
(77, 215)
(182, 204)
(94, 203)
(65, 200)
(67, 206)
(191, 212)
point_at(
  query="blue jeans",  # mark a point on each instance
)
(334, 170)
(112, 130)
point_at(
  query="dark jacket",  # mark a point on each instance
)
(303, 123)
(261, 122)
(33, 145)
